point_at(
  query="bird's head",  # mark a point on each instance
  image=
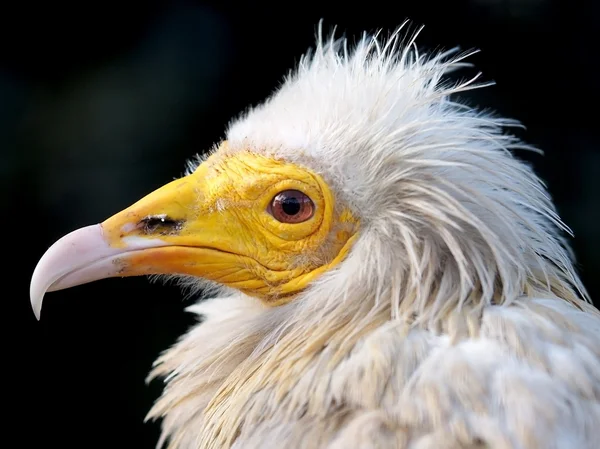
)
(243, 219)
(360, 177)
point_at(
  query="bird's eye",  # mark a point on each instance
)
(291, 206)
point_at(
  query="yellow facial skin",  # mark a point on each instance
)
(218, 227)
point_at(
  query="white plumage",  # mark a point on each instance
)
(457, 319)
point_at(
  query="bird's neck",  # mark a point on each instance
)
(247, 363)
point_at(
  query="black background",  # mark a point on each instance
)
(103, 102)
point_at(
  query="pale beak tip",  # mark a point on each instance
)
(65, 256)
(36, 297)
(37, 310)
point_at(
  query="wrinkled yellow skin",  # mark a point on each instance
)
(227, 234)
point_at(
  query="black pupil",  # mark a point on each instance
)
(290, 205)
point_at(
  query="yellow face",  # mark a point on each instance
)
(260, 225)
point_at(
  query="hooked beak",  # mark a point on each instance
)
(170, 231)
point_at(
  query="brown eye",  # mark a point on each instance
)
(291, 206)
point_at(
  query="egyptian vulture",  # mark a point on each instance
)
(384, 272)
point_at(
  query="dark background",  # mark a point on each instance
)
(103, 102)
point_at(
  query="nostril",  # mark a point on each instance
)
(160, 224)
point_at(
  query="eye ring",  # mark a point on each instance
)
(291, 206)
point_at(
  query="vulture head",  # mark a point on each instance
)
(384, 271)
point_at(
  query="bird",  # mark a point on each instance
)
(374, 266)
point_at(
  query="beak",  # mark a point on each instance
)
(171, 231)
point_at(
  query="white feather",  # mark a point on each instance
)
(457, 320)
